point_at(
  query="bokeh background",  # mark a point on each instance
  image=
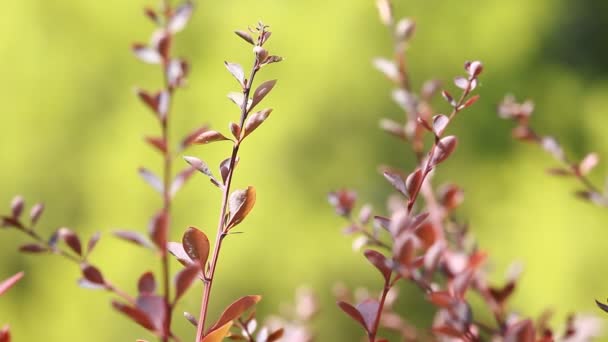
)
(72, 137)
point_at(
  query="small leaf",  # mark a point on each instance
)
(396, 181)
(10, 282)
(275, 335)
(588, 163)
(5, 334)
(445, 147)
(387, 67)
(158, 230)
(181, 179)
(237, 71)
(190, 138)
(133, 237)
(245, 36)
(601, 305)
(17, 206)
(446, 95)
(199, 165)
(151, 179)
(36, 212)
(461, 83)
(442, 299)
(190, 317)
(393, 128)
(218, 335)
(146, 54)
(261, 91)
(240, 203)
(413, 182)
(155, 309)
(235, 129)
(33, 248)
(163, 104)
(353, 313)
(135, 314)
(380, 262)
(93, 242)
(151, 101)
(440, 122)
(146, 283)
(92, 274)
(196, 245)
(235, 310)
(225, 169)
(255, 120)
(209, 136)
(158, 143)
(385, 9)
(184, 279)
(177, 250)
(71, 239)
(180, 18)
(470, 101)
(237, 98)
(369, 310)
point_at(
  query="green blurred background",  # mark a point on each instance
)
(72, 137)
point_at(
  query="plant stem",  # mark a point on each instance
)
(221, 232)
(372, 334)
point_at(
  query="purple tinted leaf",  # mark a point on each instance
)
(245, 36)
(190, 318)
(184, 279)
(369, 309)
(147, 54)
(237, 71)
(93, 242)
(445, 147)
(137, 315)
(387, 67)
(151, 179)
(261, 91)
(396, 181)
(380, 262)
(461, 82)
(36, 212)
(17, 206)
(255, 120)
(92, 274)
(209, 136)
(71, 239)
(353, 313)
(33, 248)
(225, 169)
(440, 122)
(146, 283)
(413, 182)
(158, 228)
(133, 237)
(180, 18)
(405, 28)
(237, 98)
(154, 307)
(177, 250)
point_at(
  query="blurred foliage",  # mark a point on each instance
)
(71, 137)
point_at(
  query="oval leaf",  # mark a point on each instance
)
(256, 120)
(380, 262)
(353, 313)
(234, 311)
(196, 245)
(261, 92)
(440, 122)
(209, 137)
(151, 179)
(240, 203)
(184, 279)
(237, 71)
(396, 181)
(218, 334)
(445, 147)
(146, 283)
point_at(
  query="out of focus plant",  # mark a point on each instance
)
(5, 333)
(420, 241)
(153, 306)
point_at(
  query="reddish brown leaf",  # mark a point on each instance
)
(369, 310)
(240, 203)
(413, 182)
(159, 226)
(255, 120)
(10, 282)
(209, 137)
(235, 310)
(470, 102)
(184, 279)
(5, 334)
(235, 129)
(155, 309)
(442, 299)
(196, 245)
(261, 92)
(146, 283)
(275, 335)
(33, 248)
(135, 314)
(444, 149)
(190, 138)
(92, 274)
(158, 143)
(353, 313)
(380, 262)
(71, 239)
